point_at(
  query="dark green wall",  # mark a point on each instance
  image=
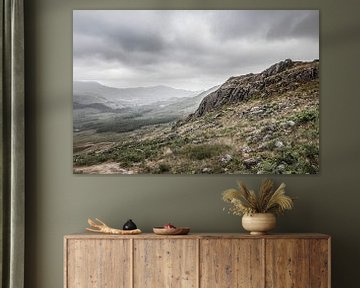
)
(59, 202)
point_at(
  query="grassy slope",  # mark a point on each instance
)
(277, 135)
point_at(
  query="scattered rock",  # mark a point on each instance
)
(290, 123)
(246, 149)
(168, 151)
(281, 167)
(255, 112)
(250, 162)
(226, 158)
(206, 170)
(279, 144)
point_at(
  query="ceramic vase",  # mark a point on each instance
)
(259, 223)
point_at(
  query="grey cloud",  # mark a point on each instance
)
(272, 24)
(140, 48)
(303, 24)
(117, 33)
(309, 26)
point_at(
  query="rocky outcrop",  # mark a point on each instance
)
(279, 78)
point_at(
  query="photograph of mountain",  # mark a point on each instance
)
(196, 92)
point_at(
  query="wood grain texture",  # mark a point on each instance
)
(166, 263)
(287, 263)
(98, 264)
(197, 260)
(231, 263)
(319, 263)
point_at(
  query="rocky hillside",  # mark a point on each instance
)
(266, 123)
(279, 78)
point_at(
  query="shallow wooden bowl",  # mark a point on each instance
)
(171, 231)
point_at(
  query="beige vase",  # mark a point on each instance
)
(259, 223)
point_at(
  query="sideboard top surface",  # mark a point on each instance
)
(86, 235)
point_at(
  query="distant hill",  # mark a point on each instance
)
(88, 92)
(182, 106)
(107, 109)
(279, 78)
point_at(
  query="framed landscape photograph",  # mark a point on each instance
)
(196, 91)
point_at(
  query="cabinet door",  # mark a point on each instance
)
(287, 263)
(231, 263)
(165, 263)
(320, 263)
(98, 263)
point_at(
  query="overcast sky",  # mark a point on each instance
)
(193, 50)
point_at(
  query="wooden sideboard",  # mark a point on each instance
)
(197, 260)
